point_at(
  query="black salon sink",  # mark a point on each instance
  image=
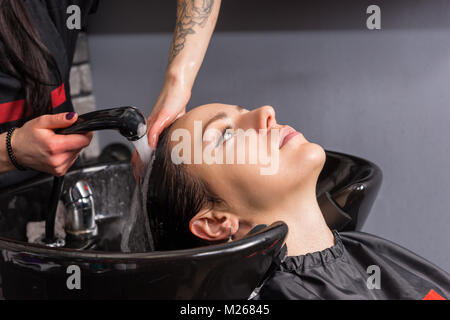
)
(113, 186)
(112, 268)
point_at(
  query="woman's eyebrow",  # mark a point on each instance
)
(219, 116)
(240, 108)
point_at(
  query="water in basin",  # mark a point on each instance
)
(118, 201)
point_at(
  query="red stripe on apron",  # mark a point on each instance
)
(11, 111)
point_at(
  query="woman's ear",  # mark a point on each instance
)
(214, 226)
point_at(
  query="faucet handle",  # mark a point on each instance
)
(80, 190)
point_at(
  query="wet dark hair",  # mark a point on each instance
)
(24, 57)
(174, 197)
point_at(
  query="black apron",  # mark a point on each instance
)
(49, 17)
(359, 266)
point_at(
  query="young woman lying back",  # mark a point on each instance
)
(196, 199)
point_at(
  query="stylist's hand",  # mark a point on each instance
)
(170, 105)
(36, 145)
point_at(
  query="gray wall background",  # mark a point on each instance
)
(381, 95)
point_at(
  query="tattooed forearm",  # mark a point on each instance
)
(190, 13)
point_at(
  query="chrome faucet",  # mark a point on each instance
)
(80, 216)
(131, 124)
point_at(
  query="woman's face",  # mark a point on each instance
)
(252, 169)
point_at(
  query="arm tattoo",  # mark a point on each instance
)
(190, 13)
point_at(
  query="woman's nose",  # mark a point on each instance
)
(266, 117)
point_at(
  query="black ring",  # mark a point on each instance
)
(10, 150)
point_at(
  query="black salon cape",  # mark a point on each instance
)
(342, 272)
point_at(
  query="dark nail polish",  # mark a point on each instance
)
(70, 115)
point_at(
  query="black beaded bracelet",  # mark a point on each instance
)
(10, 150)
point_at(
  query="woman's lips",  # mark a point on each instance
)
(287, 133)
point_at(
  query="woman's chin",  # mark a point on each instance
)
(311, 161)
(309, 155)
(317, 155)
(301, 167)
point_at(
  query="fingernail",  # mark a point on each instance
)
(70, 115)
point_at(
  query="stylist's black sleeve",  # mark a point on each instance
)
(58, 13)
(49, 19)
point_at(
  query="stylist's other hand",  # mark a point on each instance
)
(36, 145)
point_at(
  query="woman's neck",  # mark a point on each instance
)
(308, 231)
